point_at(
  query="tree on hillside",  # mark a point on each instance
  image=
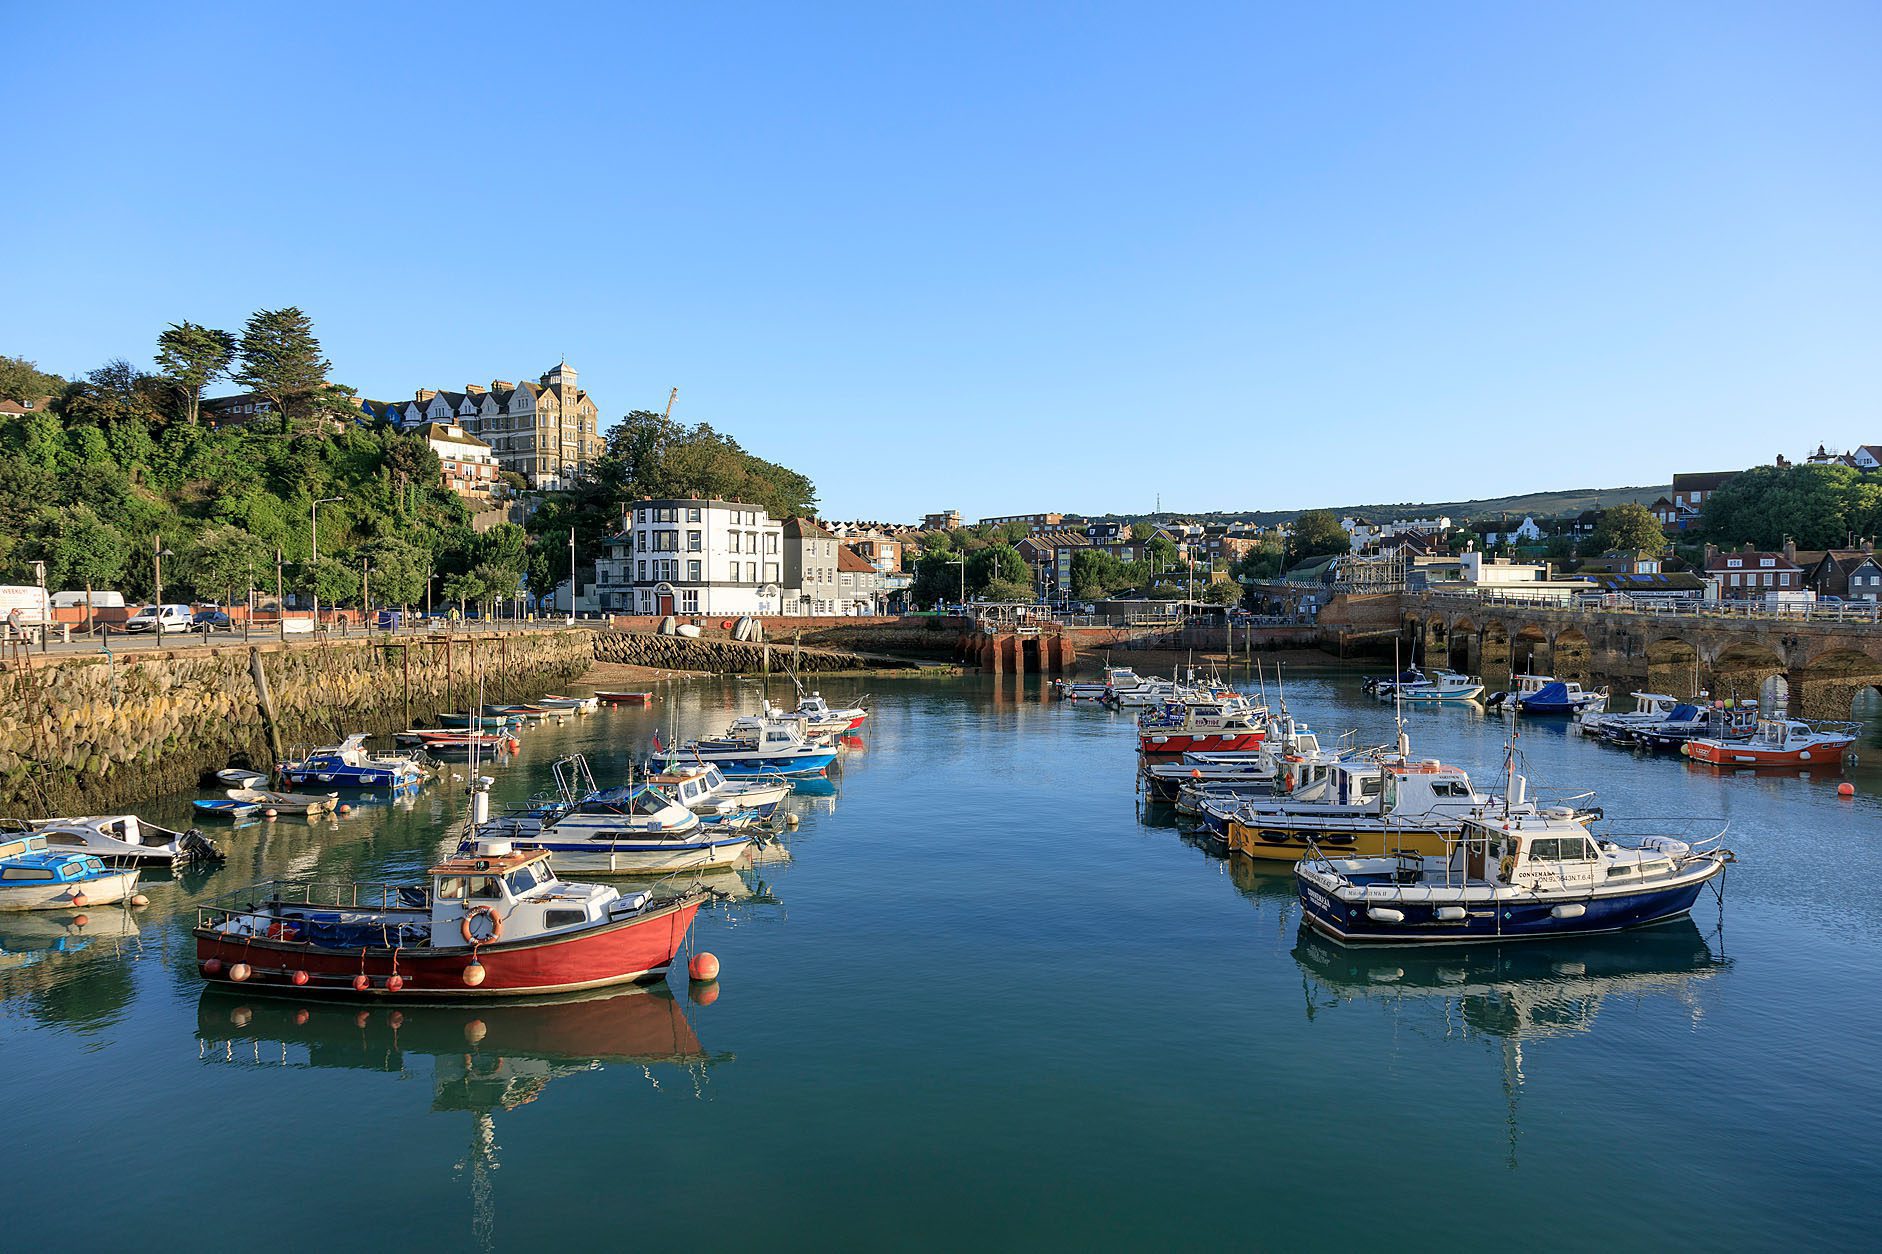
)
(1629, 528)
(398, 571)
(225, 561)
(190, 357)
(999, 573)
(1817, 506)
(281, 360)
(1317, 533)
(1161, 552)
(23, 381)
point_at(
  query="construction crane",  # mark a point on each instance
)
(671, 397)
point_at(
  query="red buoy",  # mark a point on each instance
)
(1846, 789)
(704, 967)
(80, 899)
(80, 920)
(396, 1019)
(212, 967)
(301, 1017)
(240, 971)
(703, 994)
(394, 983)
(474, 974)
(299, 978)
(361, 983)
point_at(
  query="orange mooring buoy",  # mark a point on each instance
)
(704, 967)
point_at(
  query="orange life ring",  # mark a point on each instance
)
(496, 926)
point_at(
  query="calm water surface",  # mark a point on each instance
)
(991, 1000)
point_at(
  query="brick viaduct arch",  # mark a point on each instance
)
(1824, 665)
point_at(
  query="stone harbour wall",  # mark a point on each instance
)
(724, 656)
(91, 733)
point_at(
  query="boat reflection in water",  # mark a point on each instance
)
(28, 936)
(484, 1059)
(1512, 993)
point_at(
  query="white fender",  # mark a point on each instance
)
(1571, 910)
(1449, 914)
(1385, 914)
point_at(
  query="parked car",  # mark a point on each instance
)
(209, 619)
(170, 617)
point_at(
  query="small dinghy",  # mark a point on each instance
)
(625, 698)
(241, 777)
(308, 803)
(226, 808)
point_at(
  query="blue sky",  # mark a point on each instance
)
(1006, 258)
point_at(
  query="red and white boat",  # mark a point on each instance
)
(459, 740)
(624, 698)
(1199, 726)
(1778, 742)
(493, 923)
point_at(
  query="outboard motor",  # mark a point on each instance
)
(193, 846)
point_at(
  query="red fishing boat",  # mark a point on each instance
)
(625, 698)
(1777, 742)
(1200, 725)
(494, 923)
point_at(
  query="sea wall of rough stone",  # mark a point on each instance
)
(682, 653)
(90, 733)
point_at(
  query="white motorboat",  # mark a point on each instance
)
(634, 830)
(705, 790)
(308, 803)
(1439, 688)
(242, 777)
(124, 840)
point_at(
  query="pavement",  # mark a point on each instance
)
(119, 643)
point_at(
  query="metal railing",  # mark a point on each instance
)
(1812, 611)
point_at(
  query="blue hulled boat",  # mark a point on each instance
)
(350, 764)
(1510, 876)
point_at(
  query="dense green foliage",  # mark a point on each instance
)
(1317, 533)
(1820, 507)
(117, 467)
(1629, 528)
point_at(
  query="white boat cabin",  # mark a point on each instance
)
(1551, 850)
(500, 894)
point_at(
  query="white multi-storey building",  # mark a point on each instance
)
(693, 556)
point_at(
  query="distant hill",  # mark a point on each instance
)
(1541, 504)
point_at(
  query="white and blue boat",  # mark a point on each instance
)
(350, 764)
(632, 830)
(227, 808)
(753, 747)
(1545, 694)
(34, 878)
(1516, 875)
(706, 791)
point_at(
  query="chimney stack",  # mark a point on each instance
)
(424, 394)
(1790, 550)
(1712, 551)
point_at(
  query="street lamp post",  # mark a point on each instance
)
(157, 554)
(571, 574)
(314, 565)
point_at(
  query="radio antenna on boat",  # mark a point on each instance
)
(1403, 744)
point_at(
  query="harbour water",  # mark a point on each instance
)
(991, 999)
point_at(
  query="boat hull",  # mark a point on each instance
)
(1350, 922)
(1161, 743)
(1728, 753)
(1287, 839)
(732, 763)
(639, 857)
(104, 890)
(626, 952)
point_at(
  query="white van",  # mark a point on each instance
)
(100, 600)
(31, 601)
(171, 618)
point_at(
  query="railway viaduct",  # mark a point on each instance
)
(1825, 663)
